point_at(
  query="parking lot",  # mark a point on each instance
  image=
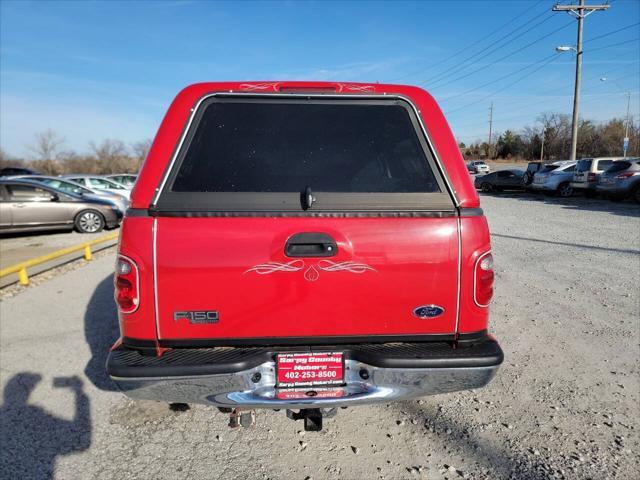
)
(17, 248)
(563, 405)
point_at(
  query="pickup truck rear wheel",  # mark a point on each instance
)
(89, 221)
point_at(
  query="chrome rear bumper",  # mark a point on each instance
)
(364, 383)
(239, 390)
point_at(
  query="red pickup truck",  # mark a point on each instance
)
(303, 246)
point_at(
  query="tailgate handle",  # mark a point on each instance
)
(310, 244)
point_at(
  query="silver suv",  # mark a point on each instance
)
(555, 178)
(588, 171)
(621, 180)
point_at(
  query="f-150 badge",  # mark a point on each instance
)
(197, 317)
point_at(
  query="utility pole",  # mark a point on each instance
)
(542, 146)
(490, 128)
(580, 12)
(625, 142)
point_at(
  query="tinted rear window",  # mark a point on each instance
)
(583, 166)
(618, 166)
(285, 147)
(604, 164)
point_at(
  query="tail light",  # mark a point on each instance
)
(483, 281)
(626, 174)
(591, 177)
(126, 285)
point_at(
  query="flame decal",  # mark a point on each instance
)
(311, 274)
(355, 88)
(270, 267)
(348, 266)
(259, 86)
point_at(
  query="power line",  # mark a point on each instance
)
(499, 79)
(555, 57)
(589, 99)
(475, 43)
(519, 105)
(544, 37)
(592, 97)
(589, 78)
(462, 65)
(615, 44)
(611, 33)
(542, 60)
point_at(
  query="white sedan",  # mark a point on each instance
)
(100, 183)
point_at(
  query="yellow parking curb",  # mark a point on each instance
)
(21, 268)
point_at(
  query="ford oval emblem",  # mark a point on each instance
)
(428, 311)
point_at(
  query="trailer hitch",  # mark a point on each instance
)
(312, 417)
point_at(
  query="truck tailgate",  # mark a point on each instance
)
(223, 278)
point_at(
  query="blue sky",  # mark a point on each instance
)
(96, 70)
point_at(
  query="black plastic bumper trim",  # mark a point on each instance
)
(463, 338)
(125, 362)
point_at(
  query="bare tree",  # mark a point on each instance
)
(140, 152)
(46, 145)
(111, 156)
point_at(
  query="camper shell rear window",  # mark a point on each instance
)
(249, 154)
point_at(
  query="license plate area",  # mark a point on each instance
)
(309, 369)
(308, 394)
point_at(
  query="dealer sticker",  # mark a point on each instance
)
(309, 369)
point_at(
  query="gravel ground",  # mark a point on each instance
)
(563, 405)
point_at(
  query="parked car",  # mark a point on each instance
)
(8, 171)
(352, 295)
(478, 166)
(555, 178)
(588, 171)
(28, 206)
(69, 186)
(511, 179)
(126, 179)
(621, 180)
(99, 183)
(532, 169)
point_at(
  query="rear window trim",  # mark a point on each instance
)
(439, 172)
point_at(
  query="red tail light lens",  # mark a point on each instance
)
(626, 175)
(591, 177)
(126, 285)
(483, 282)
